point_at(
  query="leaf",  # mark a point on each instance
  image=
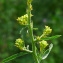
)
(50, 38)
(35, 28)
(14, 56)
(46, 53)
(22, 30)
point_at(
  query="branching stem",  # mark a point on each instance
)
(30, 27)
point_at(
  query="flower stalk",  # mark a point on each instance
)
(26, 20)
(30, 27)
(39, 43)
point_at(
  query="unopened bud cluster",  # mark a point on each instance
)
(46, 31)
(23, 19)
(43, 44)
(20, 44)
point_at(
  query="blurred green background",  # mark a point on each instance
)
(46, 12)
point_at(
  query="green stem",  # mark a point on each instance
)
(30, 27)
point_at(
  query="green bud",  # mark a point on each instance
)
(23, 19)
(46, 32)
(43, 44)
(20, 44)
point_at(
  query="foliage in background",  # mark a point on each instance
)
(46, 13)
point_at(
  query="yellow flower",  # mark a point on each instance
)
(46, 31)
(20, 44)
(23, 19)
(43, 44)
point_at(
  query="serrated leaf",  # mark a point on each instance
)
(14, 56)
(46, 53)
(51, 38)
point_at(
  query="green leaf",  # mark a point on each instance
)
(14, 56)
(35, 28)
(46, 53)
(51, 38)
(22, 30)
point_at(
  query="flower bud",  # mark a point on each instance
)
(23, 19)
(46, 31)
(43, 44)
(20, 44)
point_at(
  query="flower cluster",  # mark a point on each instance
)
(20, 44)
(40, 39)
(43, 44)
(46, 31)
(23, 19)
